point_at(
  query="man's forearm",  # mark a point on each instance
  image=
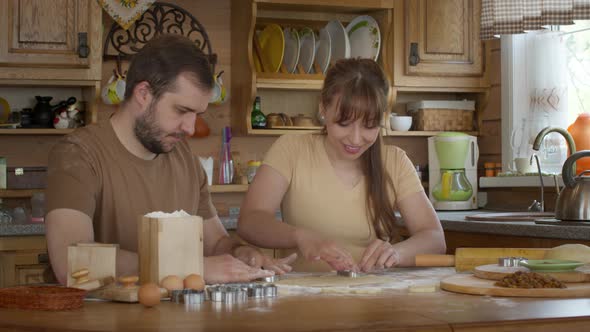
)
(226, 245)
(127, 263)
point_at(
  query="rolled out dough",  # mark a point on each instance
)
(576, 252)
(326, 281)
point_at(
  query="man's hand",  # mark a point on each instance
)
(226, 268)
(257, 259)
(378, 255)
(315, 247)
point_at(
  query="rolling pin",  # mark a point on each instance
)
(466, 259)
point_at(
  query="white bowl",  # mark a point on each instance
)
(400, 123)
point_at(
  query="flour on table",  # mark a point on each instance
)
(397, 279)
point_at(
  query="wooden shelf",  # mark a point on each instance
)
(19, 193)
(279, 132)
(289, 81)
(228, 188)
(35, 131)
(421, 133)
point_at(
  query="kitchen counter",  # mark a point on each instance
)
(392, 310)
(450, 220)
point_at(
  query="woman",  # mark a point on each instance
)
(337, 191)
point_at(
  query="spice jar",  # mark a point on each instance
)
(489, 169)
(252, 168)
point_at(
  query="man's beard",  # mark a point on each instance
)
(148, 133)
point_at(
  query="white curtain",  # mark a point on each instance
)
(546, 83)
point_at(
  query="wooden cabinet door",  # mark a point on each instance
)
(50, 34)
(22, 267)
(441, 44)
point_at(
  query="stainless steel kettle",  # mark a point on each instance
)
(573, 203)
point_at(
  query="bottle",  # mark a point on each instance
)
(252, 168)
(258, 119)
(580, 131)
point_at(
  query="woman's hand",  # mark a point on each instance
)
(314, 247)
(254, 258)
(226, 268)
(379, 255)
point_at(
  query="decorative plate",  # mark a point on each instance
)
(4, 110)
(272, 45)
(323, 50)
(291, 55)
(340, 42)
(551, 265)
(307, 50)
(365, 37)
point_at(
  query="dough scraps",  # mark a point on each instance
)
(332, 280)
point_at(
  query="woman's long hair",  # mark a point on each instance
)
(362, 92)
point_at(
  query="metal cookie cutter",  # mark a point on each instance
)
(176, 295)
(270, 290)
(271, 279)
(348, 273)
(193, 297)
(510, 261)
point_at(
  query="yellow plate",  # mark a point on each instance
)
(4, 110)
(272, 44)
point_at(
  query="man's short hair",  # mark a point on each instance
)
(163, 59)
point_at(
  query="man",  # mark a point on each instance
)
(103, 176)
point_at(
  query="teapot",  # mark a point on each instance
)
(43, 116)
(572, 203)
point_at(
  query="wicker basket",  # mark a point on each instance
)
(41, 297)
(427, 119)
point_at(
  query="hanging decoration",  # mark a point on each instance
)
(500, 17)
(125, 12)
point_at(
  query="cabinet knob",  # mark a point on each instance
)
(414, 58)
(83, 49)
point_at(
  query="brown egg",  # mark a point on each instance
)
(149, 294)
(171, 283)
(194, 281)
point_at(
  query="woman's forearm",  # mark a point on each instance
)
(431, 241)
(262, 229)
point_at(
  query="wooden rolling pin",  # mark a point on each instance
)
(466, 259)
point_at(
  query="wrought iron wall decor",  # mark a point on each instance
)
(160, 18)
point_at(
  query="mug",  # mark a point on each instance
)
(523, 166)
(114, 92)
(219, 92)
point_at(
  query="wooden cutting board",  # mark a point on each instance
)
(496, 272)
(469, 284)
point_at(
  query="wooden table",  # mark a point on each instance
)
(392, 311)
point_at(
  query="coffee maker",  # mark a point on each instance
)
(452, 164)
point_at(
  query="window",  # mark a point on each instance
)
(545, 82)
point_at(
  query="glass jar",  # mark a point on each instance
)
(252, 168)
(490, 169)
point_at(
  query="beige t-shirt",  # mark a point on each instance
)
(92, 172)
(318, 200)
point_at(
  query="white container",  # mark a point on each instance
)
(400, 123)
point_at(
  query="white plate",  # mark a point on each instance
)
(291, 56)
(307, 49)
(323, 50)
(365, 37)
(340, 43)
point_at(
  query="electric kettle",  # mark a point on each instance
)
(572, 203)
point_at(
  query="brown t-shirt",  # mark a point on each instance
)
(92, 172)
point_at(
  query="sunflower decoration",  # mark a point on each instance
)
(129, 3)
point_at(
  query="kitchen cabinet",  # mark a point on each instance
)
(24, 260)
(437, 44)
(287, 93)
(50, 40)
